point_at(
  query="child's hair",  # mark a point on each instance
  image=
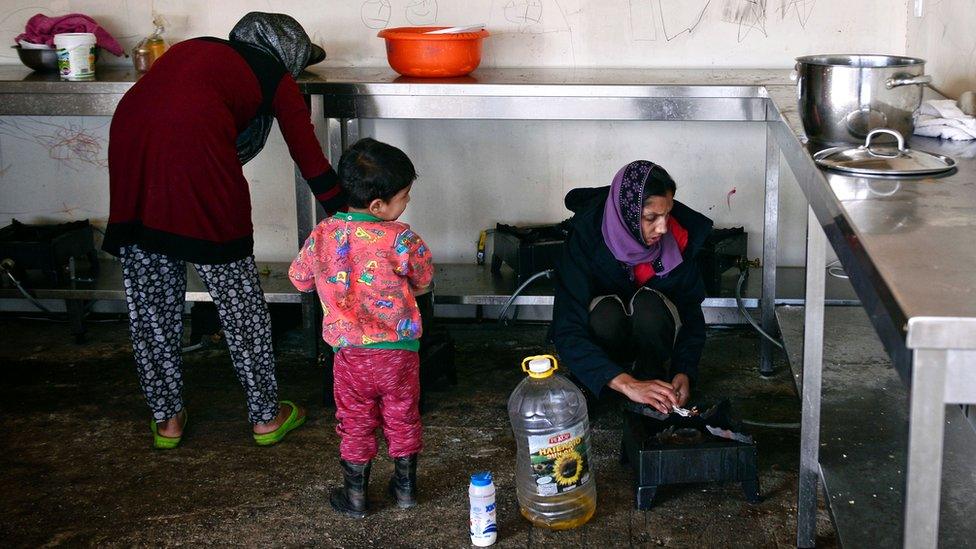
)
(371, 169)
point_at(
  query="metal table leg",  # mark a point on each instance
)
(770, 226)
(305, 207)
(76, 314)
(925, 439)
(342, 132)
(806, 505)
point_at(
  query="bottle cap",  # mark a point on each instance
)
(481, 478)
(539, 367)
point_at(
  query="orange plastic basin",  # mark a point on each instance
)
(412, 53)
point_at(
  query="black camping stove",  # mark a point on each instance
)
(677, 450)
(47, 248)
(528, 250)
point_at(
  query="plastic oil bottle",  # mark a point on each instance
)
(554, 475)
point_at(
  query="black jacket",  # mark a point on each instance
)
(588, 269)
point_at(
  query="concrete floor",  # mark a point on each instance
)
(76, 466)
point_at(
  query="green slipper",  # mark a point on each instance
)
(165, 443)
(293, 422)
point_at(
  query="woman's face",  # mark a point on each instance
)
(654, 217)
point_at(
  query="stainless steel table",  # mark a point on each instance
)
(506, 94)
(562, 94)
(907, 245)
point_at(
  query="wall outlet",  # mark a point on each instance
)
(919, 8)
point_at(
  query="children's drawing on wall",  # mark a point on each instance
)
(376, 13)
(72, 145)
(681, 17)
(532, 30)
(422, 12)
(747, 15)
(523, 12)
(802, 8)
(642, 28)
(53, 168)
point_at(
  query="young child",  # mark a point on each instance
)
(364, 265)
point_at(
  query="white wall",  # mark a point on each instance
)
(945, 36)
(472, 179)
(516, 172)
(646, 33)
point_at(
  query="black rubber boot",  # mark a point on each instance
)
(350, 500)
(403, 484)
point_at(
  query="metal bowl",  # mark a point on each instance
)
(41, 60)
(45, 60)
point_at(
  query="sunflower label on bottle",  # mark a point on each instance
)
(560, 462)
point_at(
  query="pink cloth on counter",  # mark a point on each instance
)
(41, 29)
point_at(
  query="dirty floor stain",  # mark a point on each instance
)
(76, 466)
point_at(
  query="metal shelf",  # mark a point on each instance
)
(864, 436)
(465, 284)
(456, 284)
(108, 285)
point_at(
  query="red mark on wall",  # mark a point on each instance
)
(728, 198)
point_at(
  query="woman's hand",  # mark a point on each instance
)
(656, 393)
(682, 388)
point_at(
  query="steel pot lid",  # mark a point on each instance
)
(868, 159)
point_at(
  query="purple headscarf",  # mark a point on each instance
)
(622, 222)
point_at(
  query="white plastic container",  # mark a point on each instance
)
(483, 524)
(76, 55)
(553, 472)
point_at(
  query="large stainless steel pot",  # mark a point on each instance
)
(843, 97)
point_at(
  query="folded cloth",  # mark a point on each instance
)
(942, 118)
(41, 29)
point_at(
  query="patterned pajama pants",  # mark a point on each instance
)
(155, 286)
(376, 387)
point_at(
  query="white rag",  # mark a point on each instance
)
(942, 118)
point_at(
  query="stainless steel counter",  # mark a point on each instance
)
(24, 92)
(907, 244)
(602, 94)
(552, 94)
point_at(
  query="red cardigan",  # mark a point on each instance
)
(176, 184)
(644, 271)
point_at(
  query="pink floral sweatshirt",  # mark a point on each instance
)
(363, 269)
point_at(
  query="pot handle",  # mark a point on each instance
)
(898, 136)
(894, 82)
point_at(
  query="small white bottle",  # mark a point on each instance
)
(481, 493)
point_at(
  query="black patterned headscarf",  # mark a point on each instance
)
(621, 226)
(283, 38)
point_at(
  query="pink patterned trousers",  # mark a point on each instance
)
(375, 387)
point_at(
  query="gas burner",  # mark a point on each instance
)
(46, 248)
(683, 435)
(675, 449)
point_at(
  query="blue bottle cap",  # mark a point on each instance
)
(481, 478)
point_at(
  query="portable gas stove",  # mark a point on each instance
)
(47, 248)
(677, 449)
